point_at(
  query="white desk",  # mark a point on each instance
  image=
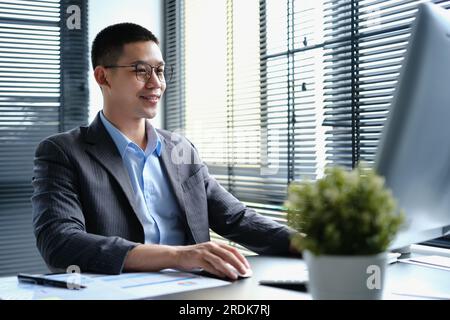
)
(403, 281)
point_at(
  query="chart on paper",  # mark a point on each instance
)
(147, 285)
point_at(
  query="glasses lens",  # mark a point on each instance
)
(168, 72)
(144, 72)
(141, 72)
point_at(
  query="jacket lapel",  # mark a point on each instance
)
(173, 173)
(103, 149)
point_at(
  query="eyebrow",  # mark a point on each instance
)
(160, 63)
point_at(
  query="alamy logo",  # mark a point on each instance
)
(73, 22)
(74, 280)
(374, 279)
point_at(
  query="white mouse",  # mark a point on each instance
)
(248, 273)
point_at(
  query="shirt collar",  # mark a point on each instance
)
(154, 144)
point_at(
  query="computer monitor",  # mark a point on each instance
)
(414, 150)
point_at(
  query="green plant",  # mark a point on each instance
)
(344, 213)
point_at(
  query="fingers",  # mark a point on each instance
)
(214, 258)
(209, 267)
(219, 267)
(241, 258)
(225, 259)
(231, 255)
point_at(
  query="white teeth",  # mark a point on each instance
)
(150, 98)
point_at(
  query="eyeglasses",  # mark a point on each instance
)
(144, 71)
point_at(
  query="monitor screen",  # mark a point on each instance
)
(414, 150)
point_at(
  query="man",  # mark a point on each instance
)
(113, 196)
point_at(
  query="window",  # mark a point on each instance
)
(273, 91)
(43, 72)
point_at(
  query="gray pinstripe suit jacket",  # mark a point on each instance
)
(84, 214)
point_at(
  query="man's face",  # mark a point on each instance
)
(134, 98)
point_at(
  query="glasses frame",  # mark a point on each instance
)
(168, 70)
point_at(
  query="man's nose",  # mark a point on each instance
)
(153, 80)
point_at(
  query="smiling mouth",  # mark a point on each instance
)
(151, 98)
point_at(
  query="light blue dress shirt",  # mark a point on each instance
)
(158, 210)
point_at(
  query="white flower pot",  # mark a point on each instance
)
(346, 277)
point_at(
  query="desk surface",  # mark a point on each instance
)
(403, 281)
(416, 282)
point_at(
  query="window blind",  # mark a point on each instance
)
(274, 91)
(365, 42)
(42, 91)
(173, 52)
(250, 100)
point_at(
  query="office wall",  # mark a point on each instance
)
(148, 13)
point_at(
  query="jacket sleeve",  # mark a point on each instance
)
(233, 220)
(58, 219)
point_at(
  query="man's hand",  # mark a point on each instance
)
(212, 257)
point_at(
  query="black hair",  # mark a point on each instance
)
(107, 46)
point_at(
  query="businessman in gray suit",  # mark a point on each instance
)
(119, 195)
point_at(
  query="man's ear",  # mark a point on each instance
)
(100, 76)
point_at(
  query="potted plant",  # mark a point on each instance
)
(346, 222)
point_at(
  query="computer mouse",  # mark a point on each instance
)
(248, 273)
